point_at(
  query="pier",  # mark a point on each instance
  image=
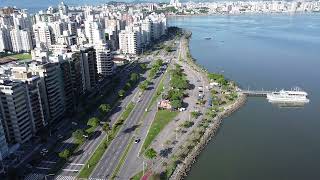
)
(255, 93)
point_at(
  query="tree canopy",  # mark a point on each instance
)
(78, 135)
(150, 153)
(93, 122)
(121, 93)
(65, 154)
(104, 108)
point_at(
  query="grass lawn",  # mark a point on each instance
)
(22, 56)
(162, 118)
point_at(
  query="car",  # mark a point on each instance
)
(137, 140)
(86, 136)
(59, 136)
(44, 150)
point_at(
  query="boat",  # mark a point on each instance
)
(293, 96)
(207, 38)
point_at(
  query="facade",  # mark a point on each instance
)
(89, 71)
(4, 150)
(32, 83)
(50, 89)
(14, 111)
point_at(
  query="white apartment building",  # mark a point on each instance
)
(94, 32)
(43, 34)
(5, 40)
(21, 40)
(104, 60)
(146, 31)
(129, 42)
(57, 29)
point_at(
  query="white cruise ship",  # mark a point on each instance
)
(293, 96)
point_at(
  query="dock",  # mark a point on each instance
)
(255, 93)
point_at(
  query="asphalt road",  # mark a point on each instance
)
(76, 162)
(134, 163)
(113, 154)
(72, 168)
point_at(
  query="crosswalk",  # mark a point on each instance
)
(34, 177)
(65, 177)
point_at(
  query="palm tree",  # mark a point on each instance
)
(106, 127)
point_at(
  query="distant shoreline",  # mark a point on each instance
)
(243, 14)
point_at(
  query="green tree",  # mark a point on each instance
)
(168, 48)
(143, 66)
(78, 135)
(144, 85)
(104, 109)
(121, 93)
(150, 153)
(106, 127)
(176, 104)
(65, 154)
(134, 77)
(93, 122)
(195, 114)
(127, 86)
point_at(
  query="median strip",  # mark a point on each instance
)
(122, 159)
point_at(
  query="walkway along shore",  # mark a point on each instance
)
(183, 168)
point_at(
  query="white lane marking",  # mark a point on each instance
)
(42, 168)
(70, 170)
(49, 162)
(75, 164)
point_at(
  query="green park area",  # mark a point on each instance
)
(162, 118)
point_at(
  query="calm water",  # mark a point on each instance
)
(37, 5)
(262, 141)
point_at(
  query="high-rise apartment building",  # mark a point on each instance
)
(129, 42)
(94, 32)
(43, 34)
(32, 83)
(50, 89)
(14, 111)
(89, 70)
(5, 40)
(21, 40)
(104, 60)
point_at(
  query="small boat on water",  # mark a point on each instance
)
(207, 38)
(292, 96)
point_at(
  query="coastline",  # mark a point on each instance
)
(182, 169)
